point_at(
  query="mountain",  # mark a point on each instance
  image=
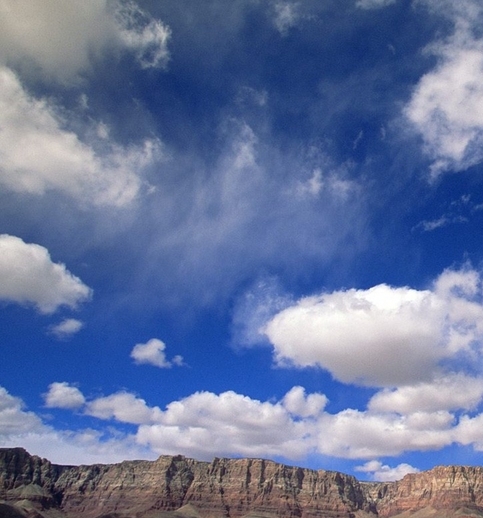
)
(179, 487)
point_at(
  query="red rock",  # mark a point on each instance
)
(231, 488)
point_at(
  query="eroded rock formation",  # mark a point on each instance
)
(225, 488)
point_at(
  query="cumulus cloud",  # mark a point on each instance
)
(451, 392)
(66, 328)
(300, 404)
(123, 407)
(14, 419)
(359, 434)
(28, 276)
(206, 424)
(152, 353)
(382, 336)
(446, 104)
(63, 395)
(19, 427)
(384, 473)
(38, 154)
(63, 38)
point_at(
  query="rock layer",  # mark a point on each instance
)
(230, 488)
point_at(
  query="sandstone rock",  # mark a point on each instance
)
(178, 487)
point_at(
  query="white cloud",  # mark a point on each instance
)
(300, 404)
(286, 16)
(152, 353)
(446, 107)
(382, 336)
(39, 155)
(66, 328)
(313, 185)
(123, 407)
(205, 424)
(430, 225)
(225, 231)
(28, 276)
(374, 4)
(19, 427)
(62, 38)
(13, 419)
(148, 39)
(63, 395)
(358, 434)
(253, 310)
(470, 431)
(384, 473)
(452, 392)
(332, 183)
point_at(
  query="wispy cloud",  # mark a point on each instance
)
(374, 4)
(78, 35)
(446, 105)
(443, 221)
(39, 155)
(66, 328)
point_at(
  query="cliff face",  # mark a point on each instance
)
(442, 488)
(230, 488)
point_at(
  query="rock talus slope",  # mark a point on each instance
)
(233, 488)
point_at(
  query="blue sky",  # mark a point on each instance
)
(243, 228)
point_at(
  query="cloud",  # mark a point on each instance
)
(374, 4)
(384, 473)
(356, 434)
(206, 424)
(300, 404)
(66, 328)
(147, 37)
(451, 392)
(152, 353)
(286, 16)
(39, 155)
(333, 183)
(382, 336)
(446, 107)
(19, 427)
(28, 276)
(13, 419)
(124, 407)
(62, 39)
(254, 309)
(63, 395)
(430, 225)
(221, 235)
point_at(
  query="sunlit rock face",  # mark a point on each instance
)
(185, 488)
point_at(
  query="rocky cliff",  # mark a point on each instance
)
(178, 487)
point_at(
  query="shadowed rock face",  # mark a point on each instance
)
(177, 487)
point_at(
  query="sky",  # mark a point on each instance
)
(244, 228)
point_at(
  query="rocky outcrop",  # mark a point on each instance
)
(178, 487)
(442, 488)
